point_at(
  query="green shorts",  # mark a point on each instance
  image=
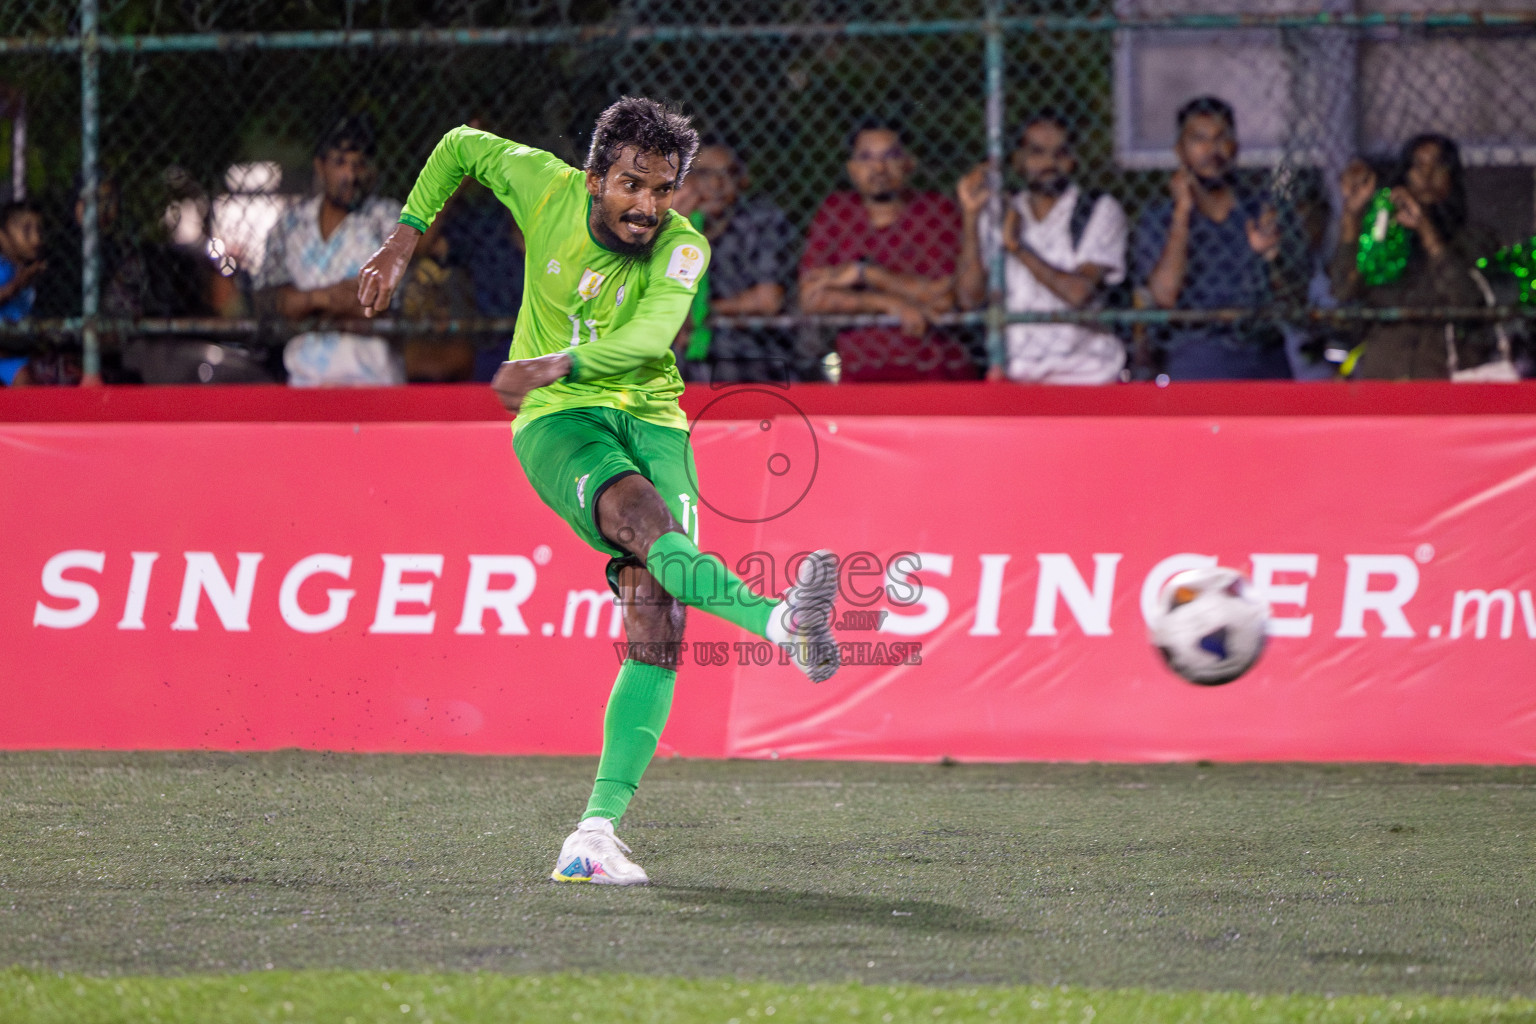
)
(572, 456)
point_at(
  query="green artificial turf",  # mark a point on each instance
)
(365, 998)
(1324, 880)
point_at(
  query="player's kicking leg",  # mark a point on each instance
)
(637, 711)
(632, 514)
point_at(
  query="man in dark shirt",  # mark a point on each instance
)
(753, 260)
(1212, 245)
(885, 248)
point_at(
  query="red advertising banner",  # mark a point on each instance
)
(1399, 555)
(370, 586)
(397, 586)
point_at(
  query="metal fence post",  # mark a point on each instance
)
(992, 250)
(1335, 56)
(90, 234)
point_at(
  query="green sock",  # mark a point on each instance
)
(637, 711)
(700, 580)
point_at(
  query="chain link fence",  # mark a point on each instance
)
(197, 122)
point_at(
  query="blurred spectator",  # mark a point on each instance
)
(884, 248)
(21, 264)
(56, 360)
(154, 277)
(1064, 246)
(753, 245)
(21, 259)
(435, 289)
(1213, 245)
(21, 267)
(312, 258)
(1430, 198)
(122, 275)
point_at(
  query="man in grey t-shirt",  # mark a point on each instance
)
(753, 258)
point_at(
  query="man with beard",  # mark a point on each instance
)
(753, 249)
(1429, 195)
(313, 255)
(1213, 245)
(884, 248)
(1064, 246)
(612, 272)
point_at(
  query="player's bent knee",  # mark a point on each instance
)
(632, 514)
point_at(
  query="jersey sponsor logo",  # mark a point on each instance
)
(591, 284)
(618, 298)
(581, 491)
(552, 267)
(685, 264)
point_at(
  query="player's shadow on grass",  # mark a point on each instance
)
(779, 906)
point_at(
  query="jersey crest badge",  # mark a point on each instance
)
(591, 284)
(553, 267)
(685, 264)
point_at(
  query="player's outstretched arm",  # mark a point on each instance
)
(518, 175)
(456, 154)
(382, 274)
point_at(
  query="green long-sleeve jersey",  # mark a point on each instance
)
(616, 316)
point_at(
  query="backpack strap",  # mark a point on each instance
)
(1082, 211)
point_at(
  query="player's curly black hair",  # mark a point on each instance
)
(648, 126)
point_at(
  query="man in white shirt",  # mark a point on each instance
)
(1065, 246)
(313, 256)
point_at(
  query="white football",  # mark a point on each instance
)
(1209, 625)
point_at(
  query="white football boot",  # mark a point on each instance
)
(802, 623)
(594, 854)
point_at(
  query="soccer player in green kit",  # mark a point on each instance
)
(593, 383)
